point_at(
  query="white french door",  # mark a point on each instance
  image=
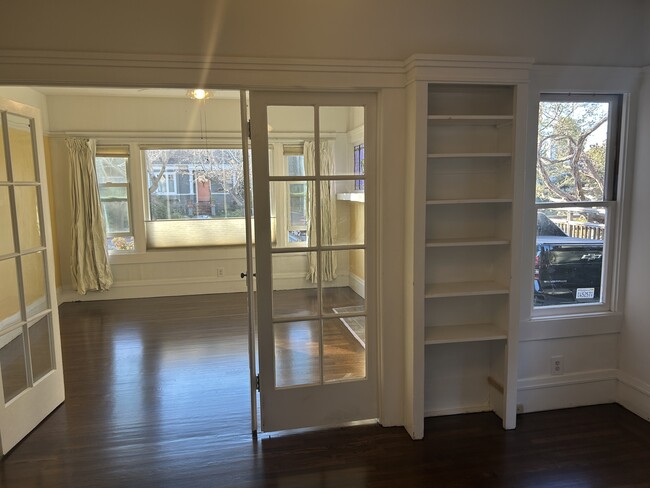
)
(313, 176)
(31, 372)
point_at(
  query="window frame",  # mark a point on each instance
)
(117, 151)
(611, 202)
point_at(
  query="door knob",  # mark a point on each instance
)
(244, 275)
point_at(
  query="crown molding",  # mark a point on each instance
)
(58, 68)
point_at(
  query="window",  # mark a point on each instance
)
(359, 166)
(112, 167)
(297, 195)
(195, 196)
(575, 199)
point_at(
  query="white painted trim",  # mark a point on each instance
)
(459, 410)
(578, 325)
(358, 285)
(633, 394)
(569, 390)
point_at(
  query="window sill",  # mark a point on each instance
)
(359, 197)
(178, 255)
(574, 325)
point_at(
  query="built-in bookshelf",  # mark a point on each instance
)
(465, 142)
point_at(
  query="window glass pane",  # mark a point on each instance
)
(297, 353)
(343, 288)
(27, 211)
(111, 169)
(9, 299)
(344, 349)
(572, 151)
(297, 120)
(295, 293)
(21, 149)
(40, 348)
(33, 267)
(13, 364)
(289, 205)
(115, 206)
(6, 223)
(569, 256)
(195, 183)
(342, 213)
(346, 121)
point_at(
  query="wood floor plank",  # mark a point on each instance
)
(157, 395)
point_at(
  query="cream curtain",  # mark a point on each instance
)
(327, 208)
(89, 257)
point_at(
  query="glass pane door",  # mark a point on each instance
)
(31, 376)
(316, 333)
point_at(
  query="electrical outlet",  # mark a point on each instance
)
(557, 365)
(520, 408)
(220, 272)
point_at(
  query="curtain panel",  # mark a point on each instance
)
(327, 209)
(89, 257)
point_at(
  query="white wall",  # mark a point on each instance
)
(595, 32)
(634, 389)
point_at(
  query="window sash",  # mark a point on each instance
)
(609, 202)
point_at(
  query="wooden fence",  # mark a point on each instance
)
(582, 230)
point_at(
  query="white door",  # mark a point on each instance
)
(31, 374)
(313, 176)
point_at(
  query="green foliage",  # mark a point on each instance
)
(571, 151)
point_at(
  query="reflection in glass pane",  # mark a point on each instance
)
(13, 364)
(6, 223)
(569, 256)
(34, 283)
(346, 215)
(289, 201)
(348, 121)
(288, 119)
(21, 148)
(294, 293)
(29, 226)
(346, 294)
(111, 169)
(297, 353)
(572, 149)
(40, 348)
(3, 162)
(344, 350)
(9, 299)
(115, 206)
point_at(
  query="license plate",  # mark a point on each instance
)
(584, 293)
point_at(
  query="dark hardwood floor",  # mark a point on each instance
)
(157, 395)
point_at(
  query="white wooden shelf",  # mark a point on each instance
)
(495, 120)
(469, 201)
(465, 289)
(450, 334)
(480, 241)
(469, 155)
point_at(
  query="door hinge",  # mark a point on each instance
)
(257, 383)
(249, 129)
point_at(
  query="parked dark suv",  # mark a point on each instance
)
(568, 270)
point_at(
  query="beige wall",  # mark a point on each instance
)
(357, 222)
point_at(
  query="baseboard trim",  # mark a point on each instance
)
(634, 395)
(568, 390)
(358, 285)
(458, 410)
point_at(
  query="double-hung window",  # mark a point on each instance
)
(576, 200)
(296, 199)
(195, 196)
(112, 168)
